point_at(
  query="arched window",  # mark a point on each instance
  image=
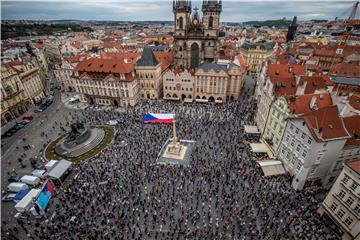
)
(211, 21)
(181, 22)
(180, 49)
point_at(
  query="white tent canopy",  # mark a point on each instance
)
(251, 129)
(259, 148)
(59, 169)
(271, 167)
(28, 201)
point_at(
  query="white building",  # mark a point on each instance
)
(179, 84)
(311, 145)
(342, 204)
(108, 82)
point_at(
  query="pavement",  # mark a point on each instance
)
(47, 122)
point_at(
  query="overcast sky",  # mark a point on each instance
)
(124, 10)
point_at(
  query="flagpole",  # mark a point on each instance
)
(174, 131)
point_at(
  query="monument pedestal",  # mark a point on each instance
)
(175, 150)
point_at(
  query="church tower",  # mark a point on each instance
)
(182, 11)
(292, 30)
(196, 38)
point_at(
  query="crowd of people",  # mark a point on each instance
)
(123, 194)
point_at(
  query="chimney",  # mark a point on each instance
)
(313, 104)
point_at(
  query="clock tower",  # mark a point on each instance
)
(196, 39)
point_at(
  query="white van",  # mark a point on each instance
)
(39, 173)
(30, 180)
(16, 187)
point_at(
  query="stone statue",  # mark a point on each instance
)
(76, 130)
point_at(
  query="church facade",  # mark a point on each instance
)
(196, 39)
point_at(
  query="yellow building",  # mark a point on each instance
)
(14, 99)
(30, 75)
(255, 54)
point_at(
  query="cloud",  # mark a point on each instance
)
(125, 10)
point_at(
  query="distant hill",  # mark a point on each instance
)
(25, 30)
(270, 23)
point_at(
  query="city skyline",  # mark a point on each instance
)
(233, 11)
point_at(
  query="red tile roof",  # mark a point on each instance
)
(165, 58)
(75, 59)
(177, 71)
(354, 101)
(132, 56)
(242, 61)
(301, 104)
(284, 86)
(354, 165)
(39, 45)
(285, 70)
(76, 44)
(345, 70)
(113, 44)
(115, 66)
(352, 125)
(314, 83)
(325, 124)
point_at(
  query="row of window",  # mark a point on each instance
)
(103, 91)
(298, 132)
(288, 157)
(182, 80)
(174, 88)
(347, 220)
(299, 147)
(348, 181)
(101, 83)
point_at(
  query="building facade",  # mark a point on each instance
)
(31, 79)
(284, 107)
(256, 54)
(195, 39)
(311, 145)
(106, 82)
(149, 74)
(30, 75)
(218, 83)
(178, 84)
(14, 99)
(342, 203)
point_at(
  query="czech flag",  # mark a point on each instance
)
(159, 118)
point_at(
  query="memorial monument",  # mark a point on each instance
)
(79, 141)
(176, 151)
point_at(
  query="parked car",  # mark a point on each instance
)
(14, 129)
(14, 179)
(28, 117)
(16, 187)
(9, 197)
(38, 110)
(7, 134)
(20, 125)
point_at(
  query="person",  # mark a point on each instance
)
(123, 193)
